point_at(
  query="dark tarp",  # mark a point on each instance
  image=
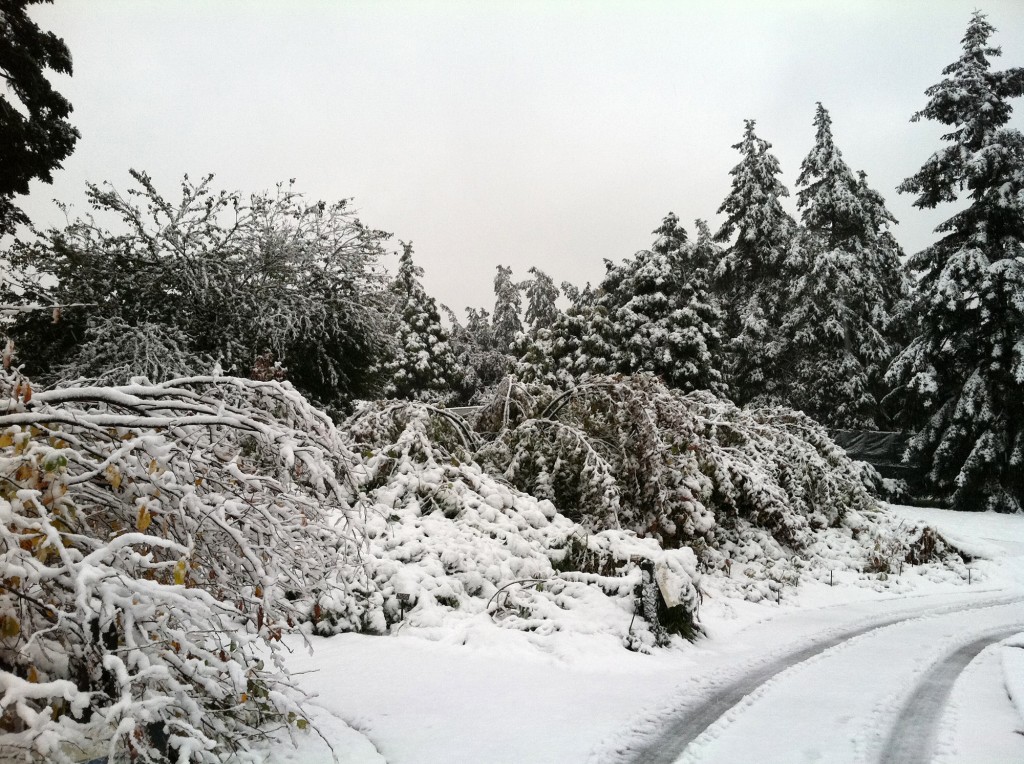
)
(882, 450)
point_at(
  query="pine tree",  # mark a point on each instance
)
(963, 374)
(481, 365)
(661, 314)
(671, 235)
(424, 366)
(848, 283)
(541, 298)
(35, 136)
(751, 275)
(651, 313)
(508, 306)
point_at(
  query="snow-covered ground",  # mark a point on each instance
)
(826, 675)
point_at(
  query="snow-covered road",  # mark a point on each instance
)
(877, 696)
(856, 660)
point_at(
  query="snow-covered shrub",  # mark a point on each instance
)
(445, 537)
(629, 452)
(175, 284)
(156, 541)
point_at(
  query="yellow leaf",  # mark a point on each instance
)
(244, 698)
(152, 466)
(179, 572)
(24, 472)
(9, 626)
(113, 475)
(144, 518)
(32, 675)
(259, 591)
(6, 440)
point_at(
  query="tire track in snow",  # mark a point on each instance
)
(912, 739)
(670, 743)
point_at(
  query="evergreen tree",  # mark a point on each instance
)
(480, 364)
(662, 317)
(508, 306)
(671, 235)
(541, 298)
(35, 136)
(751, 275)
(848, 284)
(963, 374)
(652, 314)
(575, 348)
(703, 259)
(578, 297)
(423, 366)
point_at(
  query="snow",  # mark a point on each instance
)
(467, 690)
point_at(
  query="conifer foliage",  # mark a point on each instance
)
(35, 135)
(481, 365)
(752, 272)
(661, 315)
(963, 373)
(848, 285)
(423, 365)
(541, 299)
(651, 313)
(508, 307)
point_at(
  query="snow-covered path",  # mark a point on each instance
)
(874, 697)
(913, 737)
(699, 722)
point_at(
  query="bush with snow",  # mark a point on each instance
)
(444, 535)
(156, 541)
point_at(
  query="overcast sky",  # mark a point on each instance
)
(553, 134)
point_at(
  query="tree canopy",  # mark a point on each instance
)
(962, 375)
(212, 278)
(35, 135)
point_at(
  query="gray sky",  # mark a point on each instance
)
(553, 134)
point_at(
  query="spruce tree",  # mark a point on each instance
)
(482, 366)
(651, 313)
(541, 298)
(423, 366)
(508, 306)
(752, 273)
(847, 287)
(963, 373)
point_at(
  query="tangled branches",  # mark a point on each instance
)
(156, 542)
